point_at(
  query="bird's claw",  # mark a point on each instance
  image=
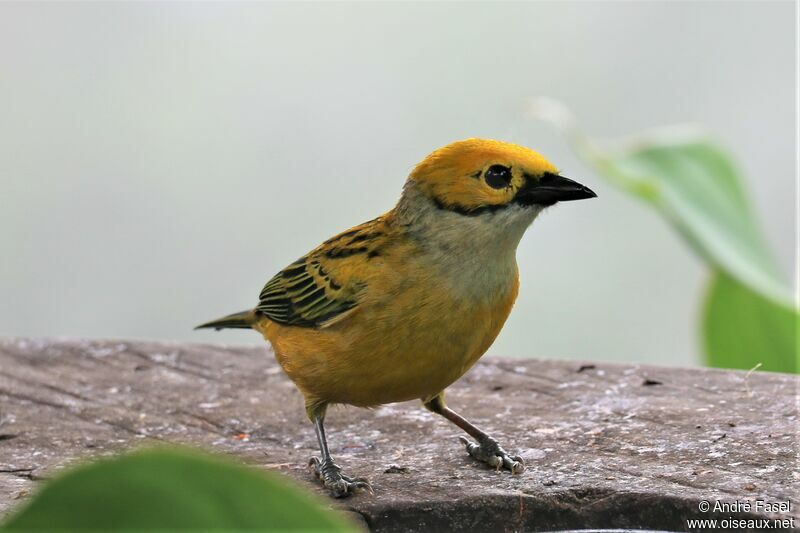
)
(489, 452)
(338, 484)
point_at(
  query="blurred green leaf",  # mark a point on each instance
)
(696, 187)
(172, 489)
(750, 314)
(750, 317)
(742, 329)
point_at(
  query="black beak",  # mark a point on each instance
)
(552, 188)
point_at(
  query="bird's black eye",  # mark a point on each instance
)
(498, 176)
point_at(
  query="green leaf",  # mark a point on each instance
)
(750, 314)
(742, 329)
(695, 186)
(172, 489)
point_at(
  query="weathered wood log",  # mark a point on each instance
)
(606, 445)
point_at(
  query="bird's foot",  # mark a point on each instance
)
(489, 452)
(339, 485)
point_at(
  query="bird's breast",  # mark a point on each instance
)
(424, 322)
(433, 333)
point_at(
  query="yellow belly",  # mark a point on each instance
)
(413, 346)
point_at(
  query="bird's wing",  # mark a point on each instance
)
(327, 285)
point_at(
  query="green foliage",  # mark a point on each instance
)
(750, 315)
(740, 327)
(171, 489)
(695, 187)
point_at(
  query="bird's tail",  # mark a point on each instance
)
(241, 320)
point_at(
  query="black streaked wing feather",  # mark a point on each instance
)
(300, 296)
(307, 292)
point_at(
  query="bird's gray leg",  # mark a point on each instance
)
(329, 472)
(487, 449)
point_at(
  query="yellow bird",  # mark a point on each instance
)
(401, 306)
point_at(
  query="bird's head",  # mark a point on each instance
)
(480, 194)
(474, 177)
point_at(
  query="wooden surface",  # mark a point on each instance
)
(606, 445)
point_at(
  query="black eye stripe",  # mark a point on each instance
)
(498, 176)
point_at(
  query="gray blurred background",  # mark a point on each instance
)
(160, 161)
